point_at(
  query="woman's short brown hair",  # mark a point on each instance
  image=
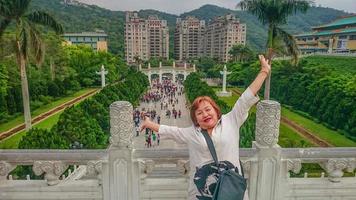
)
(196, 103)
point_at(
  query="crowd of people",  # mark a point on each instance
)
(165, 95)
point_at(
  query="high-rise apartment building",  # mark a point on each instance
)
(222, 34)
(145, 38)
(193, 38)
(189, 38)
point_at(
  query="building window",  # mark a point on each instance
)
(352, 37)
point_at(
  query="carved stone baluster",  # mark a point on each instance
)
(294, 165)
(94, 168)
(246, 167)
(52, 169)
(5, 169)
(334, 167)
(183, 166)
(351, 165)
(149, 165)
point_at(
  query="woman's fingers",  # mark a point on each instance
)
(264, 63)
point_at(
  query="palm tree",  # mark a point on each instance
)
(27, 39)
(240, 53)
(274, 13)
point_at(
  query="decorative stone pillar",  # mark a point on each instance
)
(140, 67)
(149, 78)
(149, 65)
(185, 65)
(174, 64)
(268, 118)
(268, 164)
(160, 64)
(120, 151)
(121, 124)
(160, 76)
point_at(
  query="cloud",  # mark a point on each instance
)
(346, 5)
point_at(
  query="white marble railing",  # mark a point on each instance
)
(123, 173)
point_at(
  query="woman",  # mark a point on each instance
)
(223, 129)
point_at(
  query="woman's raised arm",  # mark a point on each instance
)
(265, 70)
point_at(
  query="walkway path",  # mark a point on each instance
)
(47, 114)
(184, 121)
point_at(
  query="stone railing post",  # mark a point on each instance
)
(266, 169)
(120, 173)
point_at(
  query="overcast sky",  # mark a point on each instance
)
(181, 6)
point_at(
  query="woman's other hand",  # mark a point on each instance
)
(147, 123)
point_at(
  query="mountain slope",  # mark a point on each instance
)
(77, 18)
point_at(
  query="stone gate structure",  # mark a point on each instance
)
(175, 70)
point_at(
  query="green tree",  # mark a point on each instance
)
(241, 53)
(27, 39)
(42, 139)
(274, 13)
(75, 125)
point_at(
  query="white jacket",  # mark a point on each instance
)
(225, 136)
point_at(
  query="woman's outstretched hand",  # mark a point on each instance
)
(265, 66)
(147, 123)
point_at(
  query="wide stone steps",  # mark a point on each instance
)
(165, 172)
(165, 183)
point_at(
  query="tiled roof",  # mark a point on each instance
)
(339, 22)
(88, 34)
(331, 32)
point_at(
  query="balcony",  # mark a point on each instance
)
(122, 172)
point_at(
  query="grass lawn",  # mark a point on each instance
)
(289, 138)
(333, 137)
(13, 141)
(287, 133)
(19, 120)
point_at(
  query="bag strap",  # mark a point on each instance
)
(210, 146)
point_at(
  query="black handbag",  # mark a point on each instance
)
(230, 185)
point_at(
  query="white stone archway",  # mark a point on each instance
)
(176, 69)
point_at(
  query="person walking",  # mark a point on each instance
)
(158, 139)
(153, 139)
(137, 131)
(208, 121)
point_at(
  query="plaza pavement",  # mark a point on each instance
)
(184, 121)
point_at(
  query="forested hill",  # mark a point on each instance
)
(77, 18)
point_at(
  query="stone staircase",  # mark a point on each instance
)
(165, 182)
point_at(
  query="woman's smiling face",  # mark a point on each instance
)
(206, 115)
